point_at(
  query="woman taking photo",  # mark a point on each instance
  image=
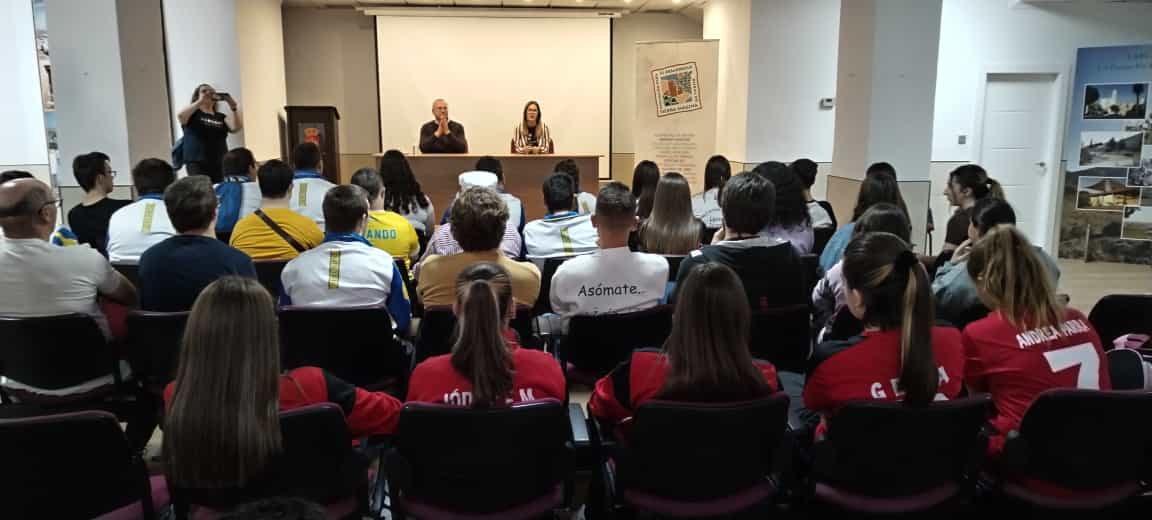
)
(531, 136)
(644, 179)
(671, 229)
(966, 185)
(402, 193)
(206, 131)
(704, 359)
(487, 368)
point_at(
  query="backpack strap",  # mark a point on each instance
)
(280, 231)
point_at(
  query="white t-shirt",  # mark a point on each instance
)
(346, 274)
(515, 210)
(308, 190)
(819, 216)
(40, 279)
(418, 217)
(136, 227)
(609, 281)
(707, 209)
(586, 203)
(563, 234)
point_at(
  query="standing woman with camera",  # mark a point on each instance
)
(206, 131)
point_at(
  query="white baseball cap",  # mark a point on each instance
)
(478, 179)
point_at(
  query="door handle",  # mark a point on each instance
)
(1042, 164)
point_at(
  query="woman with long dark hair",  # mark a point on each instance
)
(791, 221)
(966, 185)
(644, 179)
(671, 229)
(206, 131)
(531, 136)
(876, 188)
(706, 204)
(402, 193)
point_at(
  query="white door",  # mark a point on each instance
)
(1017, 146)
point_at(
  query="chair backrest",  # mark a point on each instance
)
(887, 449)
(821, 237)
(674, 266)
(707, 234)
(410, 286)
(1083, 439)
(481, 460)
(699, 451)
(130, 271)
(597, 343)
(783, 336)
(355, 344)
(544, 301)
(54, 352)
(268, 273)
(74, 465)
(1127, 369)
(522, 324)
(1118, 314)
(436, 334)
(153, 345)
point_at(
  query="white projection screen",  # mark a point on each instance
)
(487, 69)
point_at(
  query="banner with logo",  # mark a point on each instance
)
(675, 126)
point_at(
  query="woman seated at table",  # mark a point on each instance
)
(531, 135)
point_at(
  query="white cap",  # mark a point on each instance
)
(477, 179)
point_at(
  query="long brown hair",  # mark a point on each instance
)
(1006, 268)
(707, 349)
(896, 293)
(671, 229)
(483, 295)
(539, 119)
(973, 177)
(223, 424)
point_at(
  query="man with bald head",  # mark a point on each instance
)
(39, 279)
(442, 135)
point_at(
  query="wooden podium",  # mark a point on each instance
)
(319, 125)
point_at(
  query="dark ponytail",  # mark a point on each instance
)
(973, 177)
(480, 353)
(896, 293)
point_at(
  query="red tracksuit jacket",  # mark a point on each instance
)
(535, 375)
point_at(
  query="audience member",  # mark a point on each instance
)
(563, 231)
(671, 229)
(89, 219)
(820, 211)
(487, 368)
(11, 175)
(900, 355)
(239, 193)
(515, 205)
(442, 243)
(790, 221)
(403, 195)
(876, 188)
(62, 236)
(966, 185)
(585, 202)
(644, 179)
(706, 205)
(140, 225)
(277, 508)
(275, 231)
(386, 230)
(173, 272)
(346, 270)
(309, 185)
(613, 279)
(768, 267)
(479, 219)
(704, 359)
(222, 425)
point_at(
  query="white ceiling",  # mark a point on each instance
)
(629, 5)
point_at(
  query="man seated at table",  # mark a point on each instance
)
(442, 135)
(563, 231)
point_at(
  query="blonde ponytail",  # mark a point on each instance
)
(1005, 266)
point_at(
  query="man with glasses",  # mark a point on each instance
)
(39, 279)
(89, 220)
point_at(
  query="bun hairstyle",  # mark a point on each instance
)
(896, 294)
(973, 177)
(1005, 266)
(480, 354)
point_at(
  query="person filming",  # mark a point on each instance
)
(206, 131)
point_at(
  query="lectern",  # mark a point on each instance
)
(317, 124)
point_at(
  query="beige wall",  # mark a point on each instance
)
(330, 59)
(260, 35)
(730, 22)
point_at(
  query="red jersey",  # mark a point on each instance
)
(535, 375)
(367, 413)
(1015, 366)
(868, 367)
(642, 378)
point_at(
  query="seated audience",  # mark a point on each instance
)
(89, 219)
(277, 508)
(222, 420)
(790, 221)
(768, 267)
(309, 184)
(275, 231)
(900, 355)
(239, 194)
(966, 185)
(671, 229)
(173, 272)
(644, 179)
(704, 359)
(613, 279)
(515, 205)
(876, 188)
(479, 220)
(11, 175)
(953, 289)
(346, 270)
(144, 223)
(487, 368)
(585, 202)
(39, 279)
(820, 211)
(706, 205)
(563, 231)
(402, 193)
(1030, 342)
(386, 230)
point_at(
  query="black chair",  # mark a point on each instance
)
(463, 463)
(1118, 314)
(821, 236)
(707, 234)
(435, 335)
(355, 344)
(674, 266)
(844, 325)
(130, 271)
(522, 324)
(56, 352)
(1126, 369)
(1092, 443)
(811, 264)
(885, 457)
(268, 273)
(410, 286)
(783, 336)
(544, 301)
(153, 346)
(596, 344)
(224, 236)
(74, 465)
(701, 459)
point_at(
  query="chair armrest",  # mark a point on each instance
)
(579, 425)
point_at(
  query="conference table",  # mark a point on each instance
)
(524, 175)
